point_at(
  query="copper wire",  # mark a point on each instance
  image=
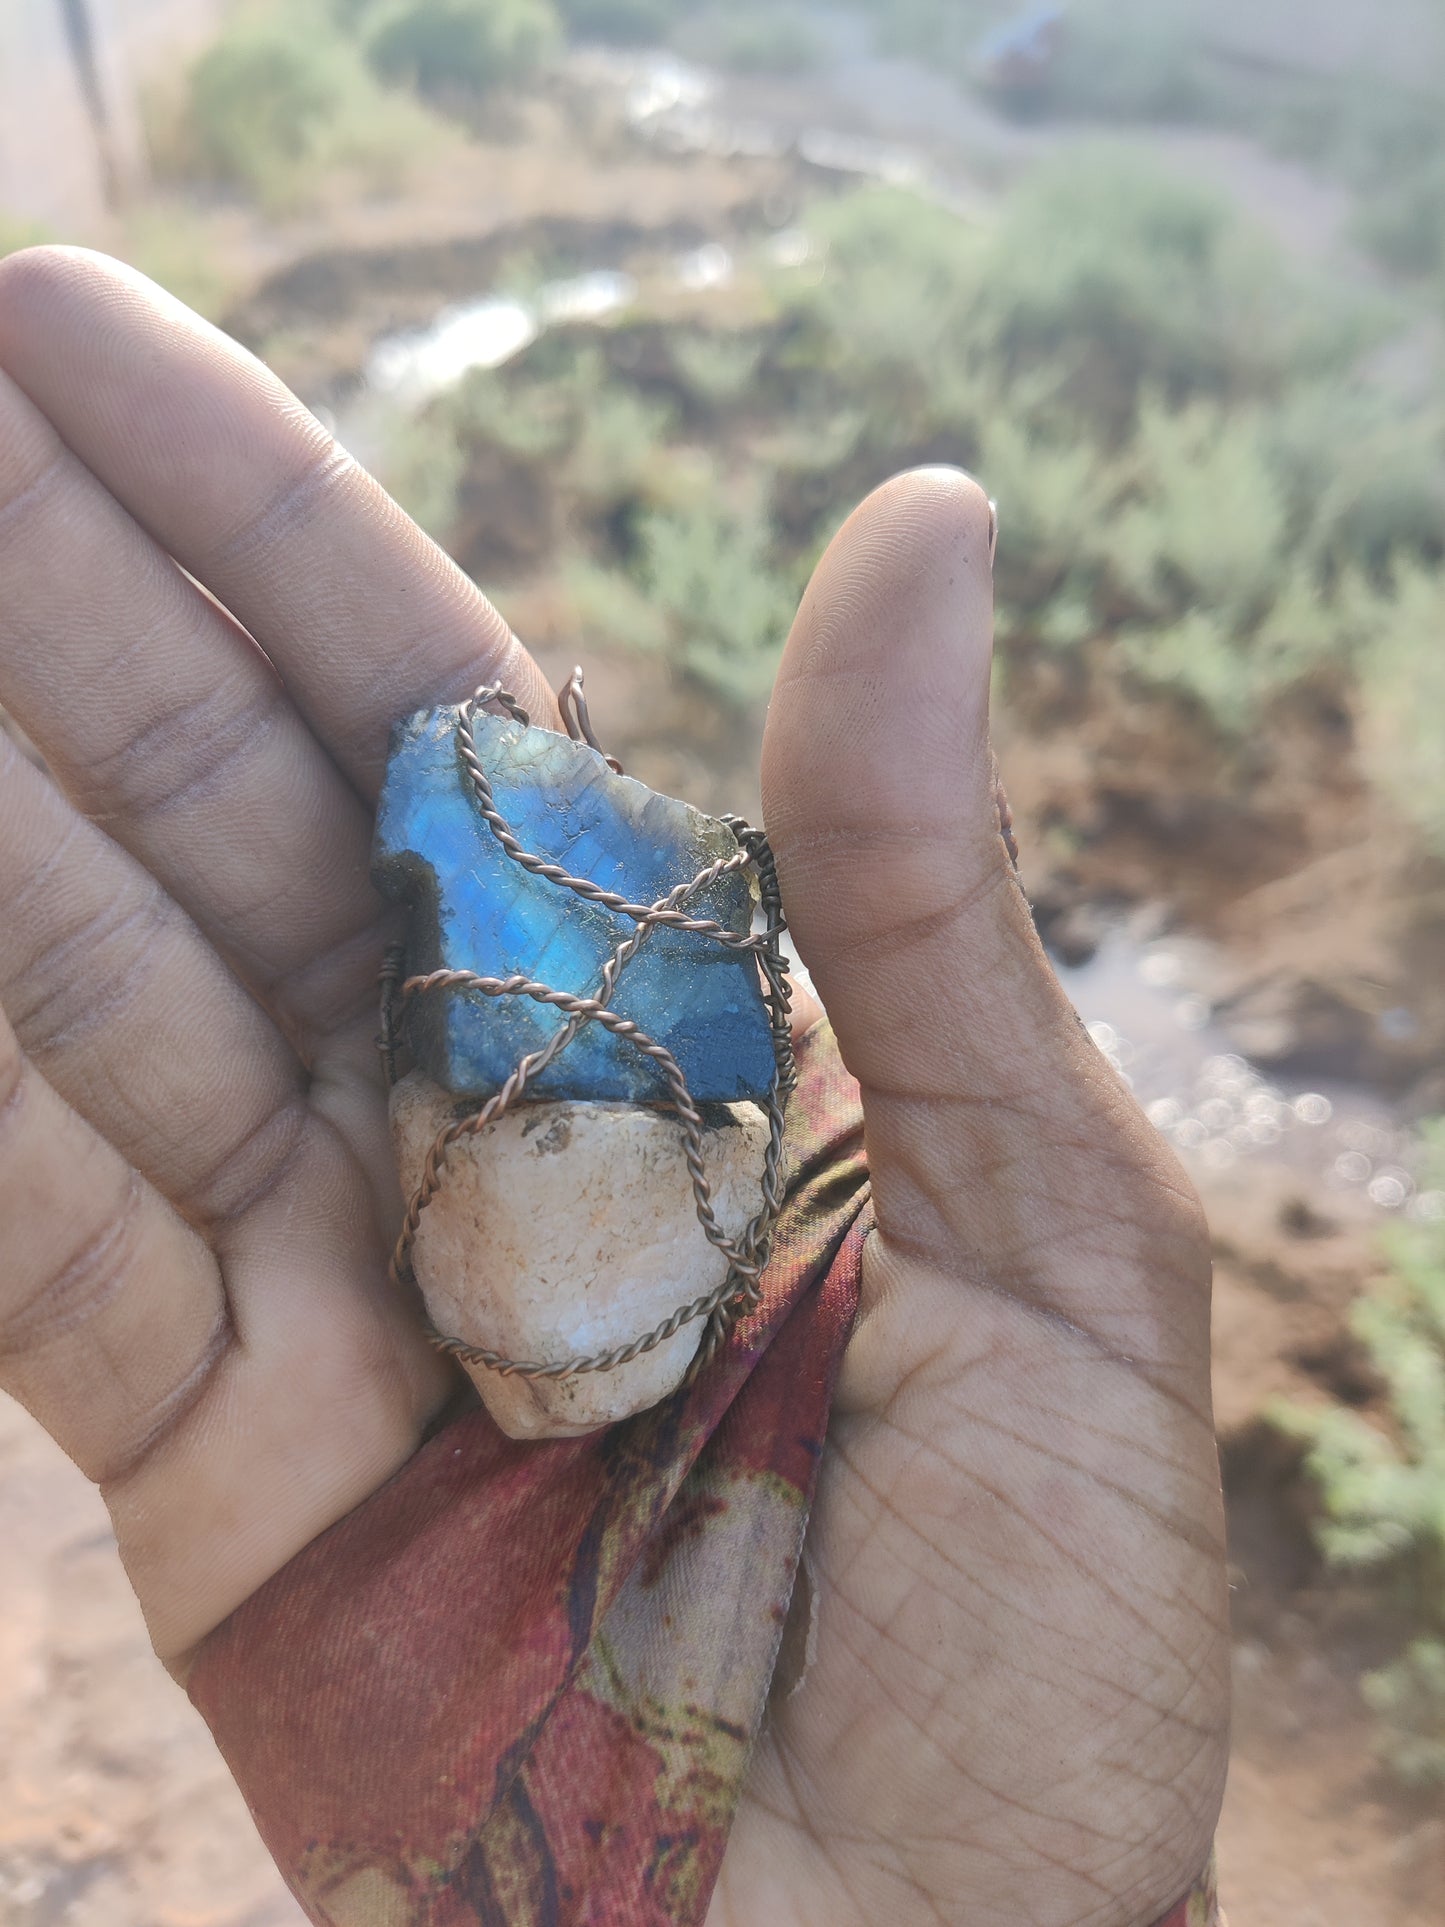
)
(578, 721)
(747, 1256)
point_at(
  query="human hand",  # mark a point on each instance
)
(1017, 1706)
(1015, 1711)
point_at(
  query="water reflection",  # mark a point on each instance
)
(421, 363)
(1147, 1005)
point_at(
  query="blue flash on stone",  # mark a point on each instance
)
(473, 908)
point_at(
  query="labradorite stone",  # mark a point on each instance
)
(472, 908)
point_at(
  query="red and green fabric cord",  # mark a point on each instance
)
(519, 1685)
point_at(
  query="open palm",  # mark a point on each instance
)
(1014, 1704)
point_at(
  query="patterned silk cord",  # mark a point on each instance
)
(747, 1256)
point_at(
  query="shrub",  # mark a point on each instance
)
(1367, 129)
(1403, 678)
(450, 47)
(1159, 410)
(1124, 362)
(1231, 675)
(756, 40)
(422, 465)
(1404, 225)
(902, 274)
(1409, 1695)
(630, 22)
(1134, 60)
(892, 320)
(1382, 1482)
(1100, 284)
(263, 98)
(604, 442)
(710, 570)
(943, 32)
(1123, 279)
(1053, 495)
(619, 453)
(1384, 500)
(282, 97)
(527, 416)
(715, 367)
(608, 603)
(703, 588)
(1232, 579)
(1207, 522)
(1188, 468)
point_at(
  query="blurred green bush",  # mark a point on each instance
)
(630, 22)
(710, 571)
(1403, 675)
(772, 38)
(1192, 459)
(1137, 60)
(1382, 1483)
(265, 97)
(446, 48)
(1205, 488)
(294, 90)
(283, 97)
(945, 33)
(1386, 142)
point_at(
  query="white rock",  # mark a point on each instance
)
(566, 1229)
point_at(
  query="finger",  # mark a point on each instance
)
(225, 1428)
(364, 617)
(166, 723)
(112, 1314)
(327, 1391)
(132, 1017)
(1002, 1147)
(220, 1461)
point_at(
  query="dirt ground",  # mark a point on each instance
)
(115, 1810)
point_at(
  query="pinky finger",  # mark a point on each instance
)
(112, 1312)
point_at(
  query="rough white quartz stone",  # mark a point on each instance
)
(566, 1229)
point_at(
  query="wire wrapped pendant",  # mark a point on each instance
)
(592, 994)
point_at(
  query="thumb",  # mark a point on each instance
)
(1005, 1153)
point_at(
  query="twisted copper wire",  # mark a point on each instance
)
(578, 720)
(747, 1257)
(584, 887)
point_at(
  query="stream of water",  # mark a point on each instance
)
(1146, 1004)
(670, 104)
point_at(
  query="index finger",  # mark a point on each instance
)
(363, 616)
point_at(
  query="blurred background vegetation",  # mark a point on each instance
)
(629, 302)
(1163, 401)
